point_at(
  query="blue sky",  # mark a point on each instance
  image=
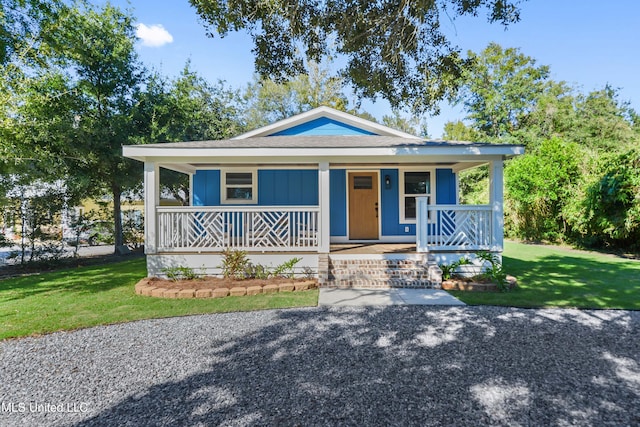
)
(586, 43)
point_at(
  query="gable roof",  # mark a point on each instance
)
(349, 120)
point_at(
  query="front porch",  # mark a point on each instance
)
(273, 229)
(197, 236)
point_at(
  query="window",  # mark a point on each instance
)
(362, 182)
(412, 184)
(239, 187)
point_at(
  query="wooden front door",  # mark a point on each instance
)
(363, 205)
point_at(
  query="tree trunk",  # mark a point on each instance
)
(117, 217)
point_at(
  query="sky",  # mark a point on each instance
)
(586, 43)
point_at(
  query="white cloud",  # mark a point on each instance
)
(154, 35)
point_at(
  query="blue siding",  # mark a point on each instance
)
(300, 187)
(206, 188)
(391, 225)
(445, 187)
(287, 187)
(323, 126)
(338, 202)
(389, 201)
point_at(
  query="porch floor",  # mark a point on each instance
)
(372, 248)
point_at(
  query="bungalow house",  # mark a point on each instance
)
(314, 184)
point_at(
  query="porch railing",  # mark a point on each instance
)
(251, 228)
(453, 227)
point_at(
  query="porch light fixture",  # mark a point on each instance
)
(387, 182)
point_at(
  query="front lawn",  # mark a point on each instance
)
(550, 276)
(97, 295)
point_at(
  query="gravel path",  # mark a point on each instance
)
(361, 366)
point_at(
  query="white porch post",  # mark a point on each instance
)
(496, 200)
(323, 198)
(422, 226)
(151, 201)
(190, 189)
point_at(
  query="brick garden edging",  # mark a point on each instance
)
(143, 287)
(461, 285)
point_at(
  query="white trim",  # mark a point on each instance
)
(324, 200)
(432, 154)
(376, 171)
(329, 113)
(151, 201)
(496, 201)
(457, 179)
(260, 166)
(401, 194)
(254, 186)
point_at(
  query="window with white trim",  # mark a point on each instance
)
(239, 187)
(414, 183)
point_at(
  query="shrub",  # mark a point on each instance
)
(286, 268)
(234, 263)
(495, 273)
(256, 271)
(180, 273)
(448, 270)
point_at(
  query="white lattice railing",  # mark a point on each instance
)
(251, 228)
(453, 227)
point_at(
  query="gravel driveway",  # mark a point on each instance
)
(361, 366)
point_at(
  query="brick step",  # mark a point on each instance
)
(383, 271)
(379, 283)
(379, 273)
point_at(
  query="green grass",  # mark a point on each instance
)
(97, 295)
(550, 276)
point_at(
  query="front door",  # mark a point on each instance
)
(363, 205)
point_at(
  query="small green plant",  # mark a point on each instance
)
(286, 268)
(256, 271)
(308, 273)
(180, 273)
(448, 270)
(234, 263)
(495, 273)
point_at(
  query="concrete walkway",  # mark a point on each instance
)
(394, 296)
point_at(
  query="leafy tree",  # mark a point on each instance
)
(500, 88)
(611, 214)
(458, 131)
(413, 125)
(604, 122)
(392, 48)
(268, 101)
(187, 108)
(538, 187)
(95, 49)
(24, 24)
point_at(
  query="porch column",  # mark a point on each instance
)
(323, 198)
(151, 200)
(496, 200)
(422, 224)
